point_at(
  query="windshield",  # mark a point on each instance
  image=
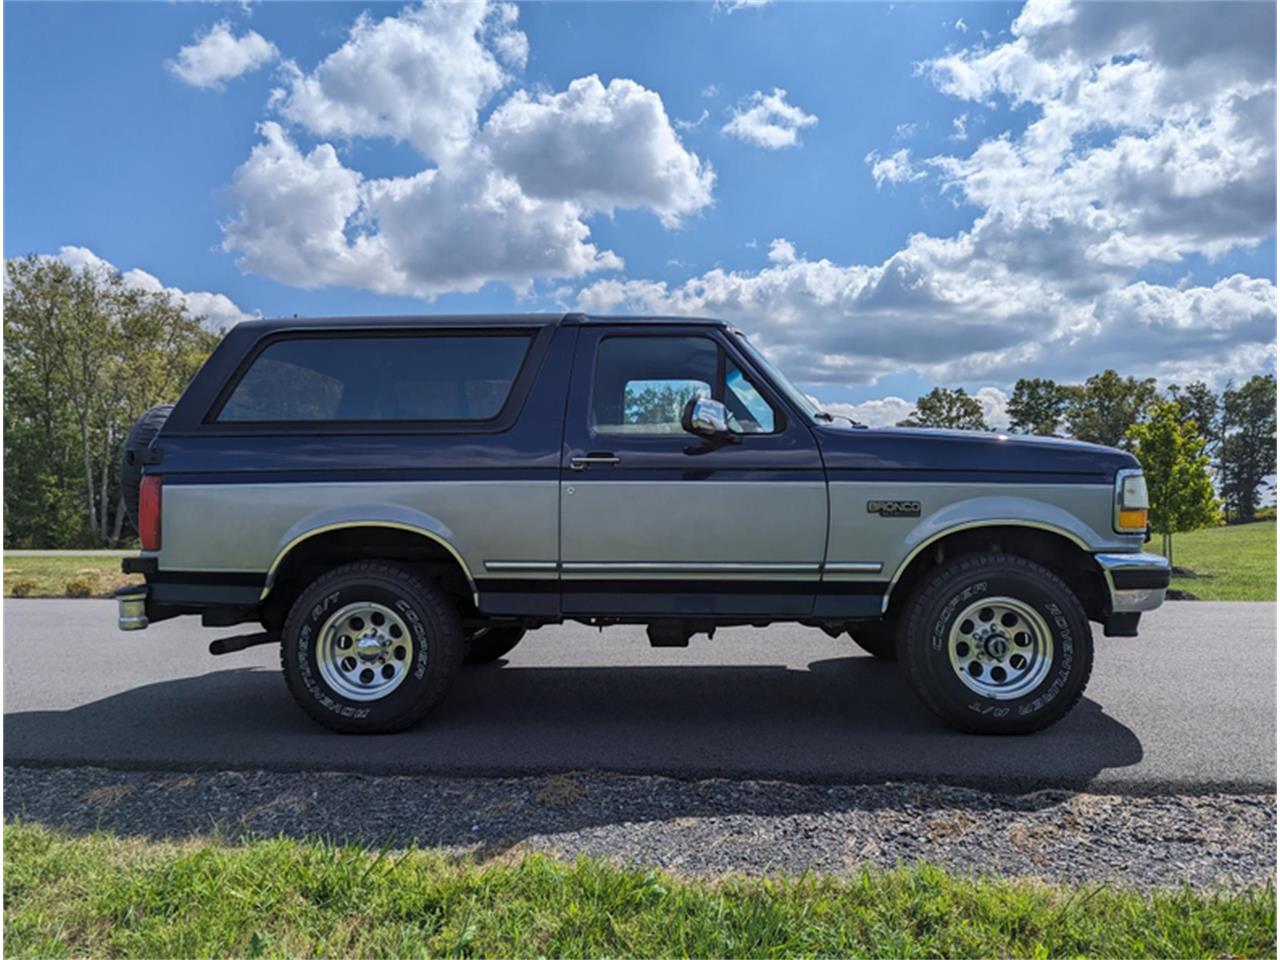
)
(779, 378)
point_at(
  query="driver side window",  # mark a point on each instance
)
(642, 384)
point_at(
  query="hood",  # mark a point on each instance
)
(970, 454)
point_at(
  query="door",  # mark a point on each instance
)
(655, 521)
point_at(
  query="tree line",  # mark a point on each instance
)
(85, 354)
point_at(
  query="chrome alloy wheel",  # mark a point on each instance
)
(1000, 648)
(364, 651)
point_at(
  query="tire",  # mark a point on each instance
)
(949, 650)
(403, 638)
(489, 643)
(878, 639)
(141, 434)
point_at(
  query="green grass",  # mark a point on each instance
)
(1232, 563)
(102, 895)
(49, 576)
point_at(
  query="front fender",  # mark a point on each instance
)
(1002, 510)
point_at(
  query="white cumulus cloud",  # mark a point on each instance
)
(218, 55)
(895, 168)
(769, 121)
(601, 146)
(505, 200)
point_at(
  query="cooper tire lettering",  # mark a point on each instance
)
(434, 632)
(933, 609)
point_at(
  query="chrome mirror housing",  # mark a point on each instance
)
(704, 417)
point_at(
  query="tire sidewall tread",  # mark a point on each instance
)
(436, 635)
(927, 621)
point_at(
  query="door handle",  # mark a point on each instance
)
(581, 463)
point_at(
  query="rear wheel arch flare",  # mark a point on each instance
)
(317, 537)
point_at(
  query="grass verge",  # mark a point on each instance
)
(103, 895)
(1232, 563)
(61, 576)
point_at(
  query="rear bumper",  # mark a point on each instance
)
(1136, 581)
(220, 599)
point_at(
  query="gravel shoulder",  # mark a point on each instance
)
(697, 828)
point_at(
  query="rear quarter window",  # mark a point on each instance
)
(391, 378)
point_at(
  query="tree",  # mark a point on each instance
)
(1200, 403)
(1037, 406)
(1102, 409)
(941, 407)
(85, 354)
(1172, 453)
(1248, 451)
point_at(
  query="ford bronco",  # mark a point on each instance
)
(389, 498)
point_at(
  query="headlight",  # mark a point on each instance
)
(1131, 502)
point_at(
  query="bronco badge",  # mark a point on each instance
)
(894, 508)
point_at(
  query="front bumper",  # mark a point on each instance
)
(1137, 581)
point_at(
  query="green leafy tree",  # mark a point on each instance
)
(1104, 407)
(1172, 453)
(85, 354)
(1037, 406)
(1248, 452)
(1202, 405)
(941, 407)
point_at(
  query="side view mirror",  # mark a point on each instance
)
(706, 418)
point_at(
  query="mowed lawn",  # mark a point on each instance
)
(1231, 563)
(89, 574)
(105, 896)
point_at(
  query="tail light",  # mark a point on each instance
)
(149, 511)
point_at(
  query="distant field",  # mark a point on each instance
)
(49, 576)
(109, 896)
(1231, 563)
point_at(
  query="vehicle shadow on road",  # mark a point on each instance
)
(846, 720)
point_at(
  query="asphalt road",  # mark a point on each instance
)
(1189, 706)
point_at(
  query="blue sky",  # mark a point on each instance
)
(110, 150)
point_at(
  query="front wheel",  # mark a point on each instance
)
(370, 647)
(996, 643)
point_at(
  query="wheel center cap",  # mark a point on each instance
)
(368, 648)
(997, 646)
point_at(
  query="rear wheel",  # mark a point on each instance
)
(490, 643)
(995, 643)
(370, 647)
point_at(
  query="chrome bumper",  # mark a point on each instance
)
(131, 608)
(1137, 581)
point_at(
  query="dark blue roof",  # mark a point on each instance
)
(459, 320)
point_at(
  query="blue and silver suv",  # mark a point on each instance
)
(389, 498)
